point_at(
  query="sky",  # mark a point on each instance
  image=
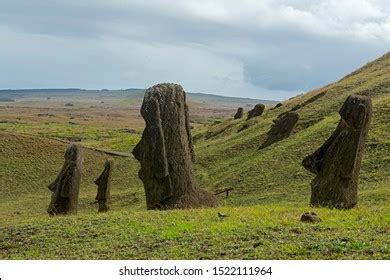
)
(269, 49)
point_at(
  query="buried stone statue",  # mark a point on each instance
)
(239, 114)
(337, 162)
(166, 151)
(281, 129)
(103, 182)
(66, 187)
(258, 110)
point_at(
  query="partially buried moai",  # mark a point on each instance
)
(281, 129)
(256, 111)
(103, 182)
(166, 151)
(66, 187)
(239, 114)
(337, 162)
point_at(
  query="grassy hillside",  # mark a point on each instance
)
(271, 191)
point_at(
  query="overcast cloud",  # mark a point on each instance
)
(252, 48)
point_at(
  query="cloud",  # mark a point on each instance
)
(264, 49)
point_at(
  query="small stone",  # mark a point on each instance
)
(310, 217)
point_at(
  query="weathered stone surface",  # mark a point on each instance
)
(166, 151)
(281, 129)
(256, 111)
(239, 114)
(66, 187)
(103, 182)
(337, 162)
(310, 217)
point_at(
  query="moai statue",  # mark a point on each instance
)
(66, 187)
(166, 151)
(337, 162)
(239, 114)
(277, 106)
(103, 196)
(281, 129)
(256, 111)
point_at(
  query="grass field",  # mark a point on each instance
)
(271, 191)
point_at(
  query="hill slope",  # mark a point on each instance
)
(227, 157)
(271, 190)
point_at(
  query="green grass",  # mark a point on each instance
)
(91, 136)
(260, 232)
(271, 191)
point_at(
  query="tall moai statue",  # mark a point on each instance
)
(256, 111)
(239, 114)
(337, 162)
(103, 182)
(66, 186)
(166, 151)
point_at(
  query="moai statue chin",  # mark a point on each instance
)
(337, 162)
(166, 151)
(66, 187)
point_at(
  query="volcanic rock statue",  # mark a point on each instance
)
(67, 184)
(239, 114)
(281, 129)
(166, 152)
(337, 162)
(256, 111)
(103, 196)
(277, 106)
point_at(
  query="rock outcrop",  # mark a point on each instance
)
(239, 114)
(103, 182)
(281, 129)
(166, 151)
(66, 187)
(337, 162)
(256, 111)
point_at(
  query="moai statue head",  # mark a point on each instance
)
(281, 129)
(166, 151)
(256, 111)
(337, 162)
(66, 187)
(239, 114)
